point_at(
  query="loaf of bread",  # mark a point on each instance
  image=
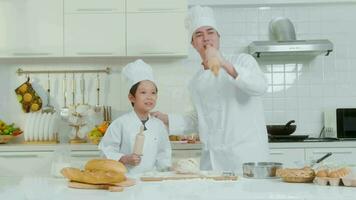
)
(105, 165)
(97, 171)
(92, 177)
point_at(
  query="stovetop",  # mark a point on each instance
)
(308, 139)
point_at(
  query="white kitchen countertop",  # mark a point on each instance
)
(10, 189)
(175, 146)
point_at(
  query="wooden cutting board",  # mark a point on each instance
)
(188, 176)
(114, 187)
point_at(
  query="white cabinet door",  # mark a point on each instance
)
(288, 157)
(80, 158)
(156, 34)
(94, 35)
(182, 154)
(25, 163)
(94, 6)
(31, 28)
(156, 5)
(339, 155)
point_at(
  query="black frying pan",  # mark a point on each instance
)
(286, 129)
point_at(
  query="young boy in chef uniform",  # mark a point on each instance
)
(119, 140)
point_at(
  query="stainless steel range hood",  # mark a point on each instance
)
(283, 42)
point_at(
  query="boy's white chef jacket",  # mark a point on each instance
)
(119, 140)
(228, 114)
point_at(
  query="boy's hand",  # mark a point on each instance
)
(131, 159)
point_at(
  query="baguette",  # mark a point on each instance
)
(105, 165)
(92, 176)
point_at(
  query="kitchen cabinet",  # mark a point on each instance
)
(341, 156)
(156, 5)
(287, 156)
(31, 28)
(25, 163)
(156, 34)
(94, 6)
(94, 35)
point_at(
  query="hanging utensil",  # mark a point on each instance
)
(64, 109)
(48, 108)
(97, 106)
(83, 107)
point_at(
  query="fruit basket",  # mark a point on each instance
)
(98, 132)
(8, 132)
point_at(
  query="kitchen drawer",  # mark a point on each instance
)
(156, 5)
(339, 155)
(287, 156)
(25, 163)
(94, 6)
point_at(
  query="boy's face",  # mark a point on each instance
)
(145, 96)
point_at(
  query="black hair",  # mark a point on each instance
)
(134, 89)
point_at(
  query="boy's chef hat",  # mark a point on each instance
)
(137, 71)
(199, 16)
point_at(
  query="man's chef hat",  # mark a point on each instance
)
(137, 71)
(199, 16)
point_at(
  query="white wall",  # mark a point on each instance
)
(299, 89)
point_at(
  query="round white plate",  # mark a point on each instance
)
(46, 126)
(51, 129)
(33, 126)
(28, 126)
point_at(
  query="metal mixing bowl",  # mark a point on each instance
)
(260, 169)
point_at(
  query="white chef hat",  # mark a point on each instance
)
(137, 71)
(199, 16)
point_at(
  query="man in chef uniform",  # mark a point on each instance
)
(228, 110)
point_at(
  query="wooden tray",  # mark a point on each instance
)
(174, 176)
(114, 187)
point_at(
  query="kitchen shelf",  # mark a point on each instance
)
(21, 71)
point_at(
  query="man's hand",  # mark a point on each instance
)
(214, 60)
(131, 159)
(162, 116)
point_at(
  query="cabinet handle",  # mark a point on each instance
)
(95, 9)
(19, 156)
(337, 152)
(85, 155)
(158, 53)
(31, 54)
(158, 9)
(94, 53)
(276, 153)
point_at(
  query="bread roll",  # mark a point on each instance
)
(105, 165)
(339, 173)
(93, 177)
(214, 65)
(322, 173)
(301, 173)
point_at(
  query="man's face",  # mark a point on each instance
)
(203, 37)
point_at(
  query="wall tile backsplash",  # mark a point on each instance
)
(300, 88)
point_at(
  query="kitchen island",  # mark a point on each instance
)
(53, 188)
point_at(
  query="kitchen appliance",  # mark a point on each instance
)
(283, 42)
(286, 129)
(346, 122)
(340, 124)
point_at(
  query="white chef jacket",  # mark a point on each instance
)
(228, 114)
(119, 140)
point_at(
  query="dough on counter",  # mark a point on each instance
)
(187, 166)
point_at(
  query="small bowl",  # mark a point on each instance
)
(261, 170)
(5, 138)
